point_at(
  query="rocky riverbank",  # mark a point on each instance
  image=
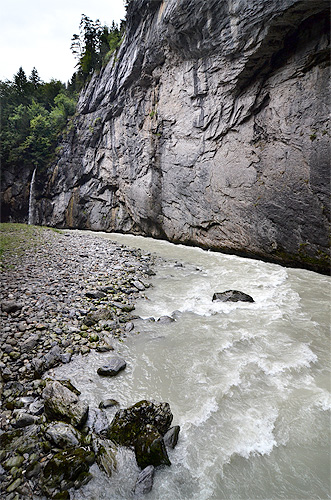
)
(62, 294)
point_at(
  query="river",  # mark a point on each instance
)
(248, 383)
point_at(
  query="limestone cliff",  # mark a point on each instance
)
(209, 127)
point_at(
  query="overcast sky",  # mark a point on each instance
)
(38, 33)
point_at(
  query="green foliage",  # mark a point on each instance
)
(33, 115)
(93, 47)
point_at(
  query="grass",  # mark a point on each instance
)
(15, 239)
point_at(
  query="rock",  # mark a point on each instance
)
(108, 403)
(96, 294)
(144, 483)
(24, 419)
(112, 368)
(105, 452)
(232, 296)
(165, 320)
(11, 306)
(64, 468)
(30, 343)
(36, 407)
(63, 435)
(150, 449)
(171, 436)
(52, 358)
(62, 404)
(138, 285)
(98, 421)
(130, 422)
(14, 461)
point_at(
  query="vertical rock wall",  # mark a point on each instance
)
(209, 127)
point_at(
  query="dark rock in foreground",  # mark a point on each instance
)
(232, 296)
(143, 426)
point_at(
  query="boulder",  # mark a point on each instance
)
(108, 403)
(66, 468)
(232, 296)
(144, 482)
(130, 422)
(150, 449)
(62, 404)
(63, 435)
(112, 368)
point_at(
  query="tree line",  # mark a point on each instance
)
(34, 114)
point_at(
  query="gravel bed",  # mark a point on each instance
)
(68, 294)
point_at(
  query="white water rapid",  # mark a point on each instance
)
(247, 383)
(32, 198)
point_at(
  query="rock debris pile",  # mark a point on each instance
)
(70, 294)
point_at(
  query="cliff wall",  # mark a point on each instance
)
(209, 127)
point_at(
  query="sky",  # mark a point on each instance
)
(37, 33)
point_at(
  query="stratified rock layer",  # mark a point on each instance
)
(208, 127)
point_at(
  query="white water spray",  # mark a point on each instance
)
(32, 198)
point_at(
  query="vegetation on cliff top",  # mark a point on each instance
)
(33, 115)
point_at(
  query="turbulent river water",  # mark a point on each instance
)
(248, 383)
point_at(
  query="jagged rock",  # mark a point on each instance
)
(150, 449)
(144, 483)
(112, 368)
(62, 404)
(130, 422)
(171, 437)
(232, 296)
(63, 435)
(64, 468)
(105, 452)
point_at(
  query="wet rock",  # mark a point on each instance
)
(52, 357)
(64, 468)
(139, 285)
(108, 403)
(112, 368)
(62, 404)
(150, 449)
(24, 419)
(105, 452)
(232, 296)
(165, 320)
(144, 483)
(130, 422)
(98, 421)
(171, 437)
(63, 435)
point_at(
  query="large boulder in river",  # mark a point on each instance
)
(143, 426)
(232, 296)
(150, 449)
(62, 404)
(130, 422)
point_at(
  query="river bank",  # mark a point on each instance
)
(61, 295)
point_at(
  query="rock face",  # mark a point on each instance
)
(208, 127)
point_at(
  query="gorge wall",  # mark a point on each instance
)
(209, 127)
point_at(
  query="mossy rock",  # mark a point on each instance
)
(64, 468)
(150, 449)
(130, 422)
